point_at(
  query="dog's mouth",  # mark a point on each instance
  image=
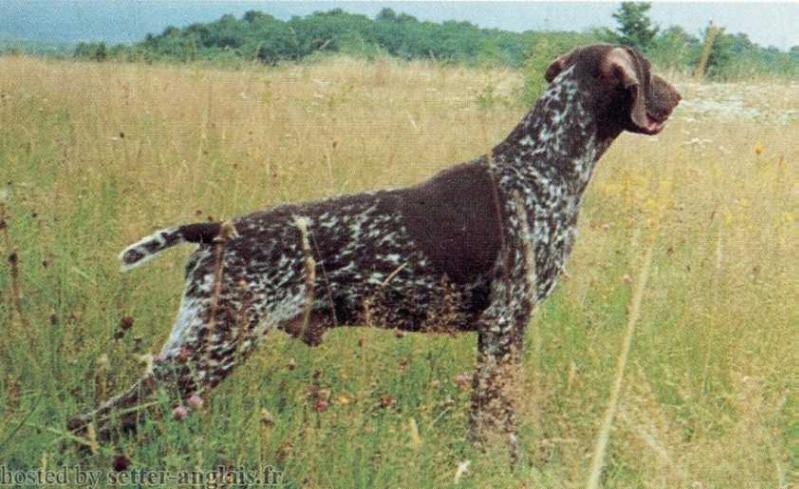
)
(653, 124)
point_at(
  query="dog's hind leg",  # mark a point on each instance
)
(124, 409)
(218, 326)
(223, 315)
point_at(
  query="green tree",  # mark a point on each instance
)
(721, 54)
(92, 50)
(635, 28)
(258, 36)
(268, 39)
(386, 14)
(674, 48)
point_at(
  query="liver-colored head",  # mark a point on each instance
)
(625, 94)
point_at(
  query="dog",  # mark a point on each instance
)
(479, 244)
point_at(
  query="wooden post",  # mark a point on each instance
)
(707, 48)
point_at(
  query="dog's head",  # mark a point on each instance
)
(625, 94)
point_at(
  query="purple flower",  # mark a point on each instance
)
(195, 402)
(180, 413)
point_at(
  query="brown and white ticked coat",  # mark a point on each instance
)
(484, 240)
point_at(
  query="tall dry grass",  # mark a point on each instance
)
(93, 156)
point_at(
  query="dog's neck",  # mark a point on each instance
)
(557, 143)
(547, 162)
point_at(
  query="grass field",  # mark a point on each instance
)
(94, 156)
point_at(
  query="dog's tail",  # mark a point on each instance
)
(147, 248)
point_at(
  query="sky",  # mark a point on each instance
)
(114, 21)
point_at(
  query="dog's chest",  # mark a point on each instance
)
(550, 233)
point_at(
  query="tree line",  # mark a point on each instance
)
(257, 36)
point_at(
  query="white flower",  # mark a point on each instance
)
(463, 467)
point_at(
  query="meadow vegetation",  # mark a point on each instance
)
(94, 156)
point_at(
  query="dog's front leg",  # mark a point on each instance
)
(501, 334)
(498, 362)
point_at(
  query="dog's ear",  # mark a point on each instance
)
(623, 67)
(557, 66)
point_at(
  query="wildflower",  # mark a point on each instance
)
(321, 405)
(463, 468)
(386, 401)
(195, 402)
(180, 413)
(121, 463)
(759, 149)
(126, 323)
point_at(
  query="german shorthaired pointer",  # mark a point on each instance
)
(475, 248)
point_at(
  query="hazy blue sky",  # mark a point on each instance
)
(129, 20)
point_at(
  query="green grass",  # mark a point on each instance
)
(707, 400)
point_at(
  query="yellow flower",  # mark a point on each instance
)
(759, 149)
(727, 217)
